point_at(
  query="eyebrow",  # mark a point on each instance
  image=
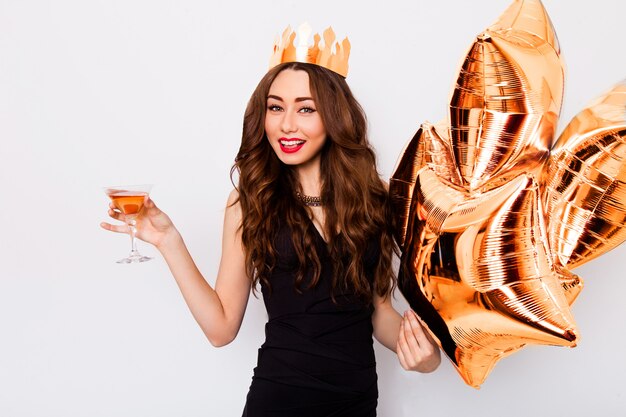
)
(298, 99)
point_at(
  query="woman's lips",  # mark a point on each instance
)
(291, 145)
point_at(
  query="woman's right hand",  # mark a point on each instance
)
(153, 225)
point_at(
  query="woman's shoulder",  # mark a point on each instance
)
(233, 198)
(233, 206)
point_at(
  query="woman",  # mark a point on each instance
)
(310, 223)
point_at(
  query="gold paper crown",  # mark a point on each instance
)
(321, 54)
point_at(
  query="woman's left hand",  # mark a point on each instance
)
(416, 349)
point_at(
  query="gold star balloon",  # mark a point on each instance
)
(584, 185)
(489, 220)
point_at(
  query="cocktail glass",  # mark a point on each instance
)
(129, 200)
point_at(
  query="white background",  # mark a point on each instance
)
(97, 92)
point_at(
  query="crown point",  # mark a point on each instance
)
(304, 31)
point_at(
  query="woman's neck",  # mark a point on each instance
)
(309, 178)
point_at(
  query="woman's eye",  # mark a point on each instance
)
(307, 110)
(273, 107)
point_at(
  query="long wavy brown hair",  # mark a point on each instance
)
(356, 204)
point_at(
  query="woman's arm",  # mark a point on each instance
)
(219, 311)
(416, 349)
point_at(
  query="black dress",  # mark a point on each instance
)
(318, 356)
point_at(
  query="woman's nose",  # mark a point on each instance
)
(288, 122)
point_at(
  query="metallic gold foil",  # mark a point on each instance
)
(507, 98)
(490, 220)
(585, 184)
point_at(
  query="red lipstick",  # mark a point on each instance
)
(291, 145)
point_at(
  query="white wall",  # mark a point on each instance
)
(95, 92)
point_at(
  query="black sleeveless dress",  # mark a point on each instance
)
(318, 356)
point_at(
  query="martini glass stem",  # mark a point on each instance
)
(132, 223)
